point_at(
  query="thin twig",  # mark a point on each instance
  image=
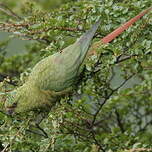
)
(37, 133)
(5, 148)
(8, 11)
(96, 141)
(139, 150)
(145, 126)
(106, 98)
(119, 121)
(41, 129)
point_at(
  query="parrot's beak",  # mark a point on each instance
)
(10, 111)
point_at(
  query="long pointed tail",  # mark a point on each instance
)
(116, 32)
(123, 27)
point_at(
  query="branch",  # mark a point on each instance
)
(119, 121)
(5, 148)
(27, 25)
(108, 97)
(36, 133)
(65, 29)
(8, 11)
(139, 150)
(11, 27)
(41, 129)
(96, 141)
(122, 59)
(146, 125)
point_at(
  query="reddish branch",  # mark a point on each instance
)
(20, 26)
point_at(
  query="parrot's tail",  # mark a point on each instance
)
(85, 40)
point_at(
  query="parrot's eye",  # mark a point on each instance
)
(13, 105)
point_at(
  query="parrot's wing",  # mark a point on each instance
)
(55, 72)
(59, 71)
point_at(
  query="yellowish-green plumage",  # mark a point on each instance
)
(52, 77)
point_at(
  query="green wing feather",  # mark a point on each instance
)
(58, 71)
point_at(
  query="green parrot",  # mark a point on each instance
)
(51, 78)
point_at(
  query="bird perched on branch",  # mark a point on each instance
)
(54, 76)
(51, 78)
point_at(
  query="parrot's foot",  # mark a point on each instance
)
(64, 92)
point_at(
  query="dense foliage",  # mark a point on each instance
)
(111, 107)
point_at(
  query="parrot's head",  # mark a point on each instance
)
(11, 102)
(25, 99)
(16, 102)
